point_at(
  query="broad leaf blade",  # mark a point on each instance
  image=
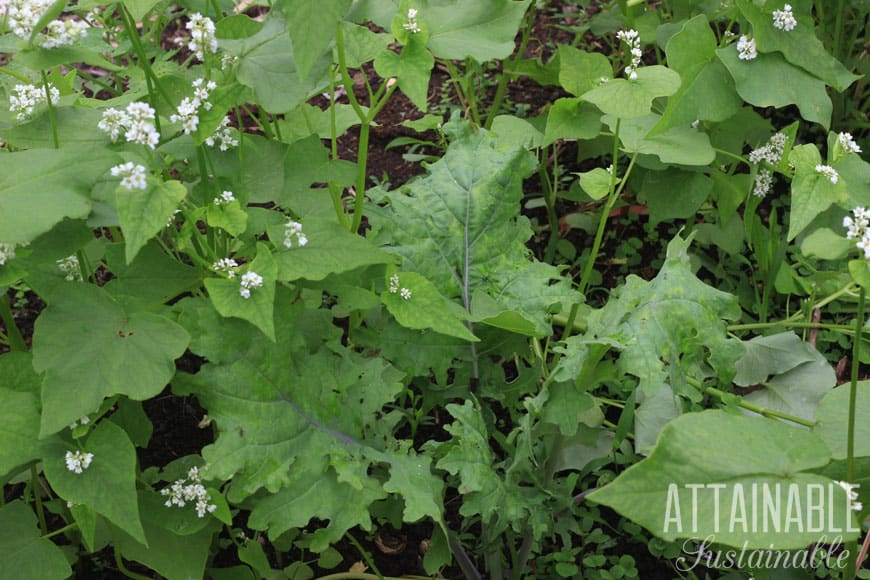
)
(23, 552)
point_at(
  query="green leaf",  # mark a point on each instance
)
(811, 192)
(143, 213)
(139, 8)
(651, 416)
(48, 58)
(571, 119)
(47, 185)
(312, 27)
(769, 81)
(153, 278)
(229, 217)
(460, 227)
(24, 553)
(331, 249)
(825, 244)
(596, 183)
(860, 272)
(707, 92)
(674, 194)
(411, 477)
(481, 29)
(412, 67)
(800, 46)
(108, 486)
(173, 556)
(228, 301)
(510, 131)
(306, 120)
(425, 308)
(89, 348)
(19, 414)
(764, 356)
(680, 145)
(832, 416)
(628, 99)
(75, 126)
(718, 448)
(581, 71)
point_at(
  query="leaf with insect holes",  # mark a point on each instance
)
(90, 347)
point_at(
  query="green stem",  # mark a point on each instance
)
(838, 29)
(503, 78)
(732, 155)
(62, 530)
(37, 495)
(52, 119)
(770, 413)
(844, 328)
(150, 78)
(851, 564)
(366, 556)
(15, 74)
(16, 341)
(120, 562)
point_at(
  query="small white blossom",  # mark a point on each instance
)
(292, 230)
(771, 152)
(132, 175)
(77, 462)
(763, 183)
(249, 280)
(227, 265)
(7, 253)
(859, 229)
(187, 114)
(189, 489)
(202, 35)
(73, 273)
(394, 283)
(226, 198)
(746, 48)
(850, 488)
(25, 99)
(848, 143)
(784, 19)
(134, 121)
(411, 25)
(171, 219)
(228, 60)
(632, 39)
(405, 293)
(828, 172)
(224, 135)
(64, 32)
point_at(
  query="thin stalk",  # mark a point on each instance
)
(852, 552)
(52, 119)
(366, 556)
(838, 29)
(345, 75)
(16, 341)
(15, 74)
(62, 530)
(763, 411)
(37, 495)
(501, 88)
(844, 328)
(150, 78)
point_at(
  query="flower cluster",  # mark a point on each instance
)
(632, 39)
(294, 230)
(23, 16)
(849, 488)
(189, 489)
(746, 49)
(187, 112)
(784, 19)
(763, 183)
(72, 271)
(411, 25)
(227, 265)
(7, 253)
(27, 97)
(771, 152)
(77, 462)
(828, 172)
(134, 121)
(64, 32)
(394, 288)
(848, 143)
(202, 38)
(857, 229)
(224, 135)
(249, 280)
(132, 175)
(226, 198)
(83, 421)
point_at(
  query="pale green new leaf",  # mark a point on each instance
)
(426, 307)
(769, 80)
(832, 417)
(707, 91)
(143, 213)
(571, 119)
(715, 447)
(108, 486)
(23, 552)
(581, 71)
(411, 67)
(90, 347)
(460, 227)
(674, 193)
(680, 145)
(629, 99)
(800, 46)
(481, 29)
(312, 25)
(39, 188)
(811, 192)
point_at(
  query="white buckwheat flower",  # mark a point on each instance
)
(190, 489)
(632, 39)
(828, 172)
(73, 273)
(394, 283)
(771, 152)
(784, 19)
(224, 136)
(64, 32)
(134, 121)
(187, 114)
(848, 143)
(227, 265)
(746, 48)
(7, 253)
(132, 175)
(249, 280)
(77, 462)
(202, 38)
(294, 230)
(858, 228)
(763, 183)
(850, 488)
(405, 293)
(26, 97)
(226, 198)
(411, 25)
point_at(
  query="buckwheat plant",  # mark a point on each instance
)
(202, 35)
(248, 281)
(77, 461)
(632, 39)
(784, 19)
(27, 97)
